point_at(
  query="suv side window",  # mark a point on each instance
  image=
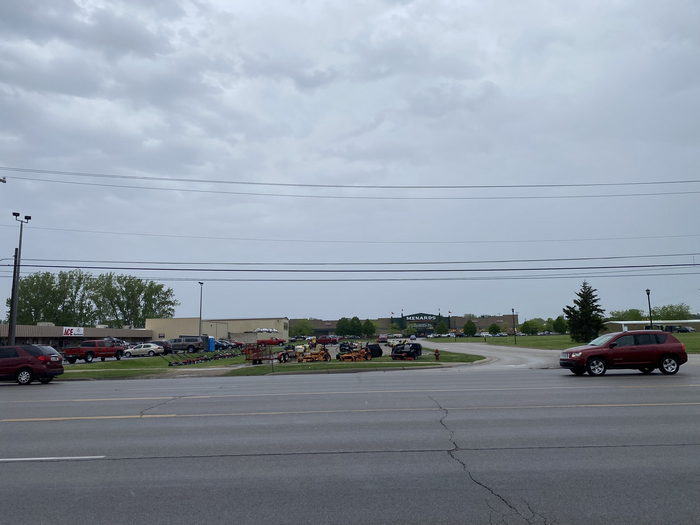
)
(625, 340)
(8, 352)
(88, 344)
(645, 339)
(661, 338)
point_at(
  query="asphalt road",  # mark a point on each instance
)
(476, 444)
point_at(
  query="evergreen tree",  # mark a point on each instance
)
(585, 317)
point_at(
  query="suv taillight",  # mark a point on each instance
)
(44, 358)
(683, 347)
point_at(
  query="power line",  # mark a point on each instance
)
(387, 263)
(404, 279)
(350, 241)
(362, 197)
(372, 270)
(351, 186)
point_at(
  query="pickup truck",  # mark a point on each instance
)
(89, 350)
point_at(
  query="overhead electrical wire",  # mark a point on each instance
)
(350, 186)
(363, 197)
(349, 241)
(344, 270)
(368, 263)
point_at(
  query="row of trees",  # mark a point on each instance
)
(344, 327)
(665, 312)
(77, 298)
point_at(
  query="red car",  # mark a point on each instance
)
(643, 350)
(327, 340)
(272, 341)
(27, 363)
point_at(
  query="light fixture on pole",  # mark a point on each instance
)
(12, 328)
(651, 321)
(201, 291)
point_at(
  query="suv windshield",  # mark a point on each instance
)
(598, 341)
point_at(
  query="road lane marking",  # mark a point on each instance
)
(348, 411)
(53, 458)
(356, 392)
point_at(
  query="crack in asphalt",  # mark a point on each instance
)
(537, 517)
(142, 413)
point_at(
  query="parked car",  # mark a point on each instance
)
(327, 340)
(407, 351)
(644, 350)
(382, 338)
(272, 341)
(149, 349)
(167, 347)
(89, 350)
(686, 329)
(27, 363)
(188, 343)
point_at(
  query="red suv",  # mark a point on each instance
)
(644, 350)
(26, 363)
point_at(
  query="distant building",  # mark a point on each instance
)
(422, 322)
(218, 328)
(62, 336)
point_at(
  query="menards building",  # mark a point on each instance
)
(424, 323)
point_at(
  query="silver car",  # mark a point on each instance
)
(148, 349)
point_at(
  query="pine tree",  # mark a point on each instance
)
(585, 317)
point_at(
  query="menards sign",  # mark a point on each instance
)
(421, 317)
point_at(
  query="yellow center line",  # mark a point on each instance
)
(355, 392)
(347, 411)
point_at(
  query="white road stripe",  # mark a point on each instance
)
(55, 458)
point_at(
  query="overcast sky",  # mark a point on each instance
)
(367, 92)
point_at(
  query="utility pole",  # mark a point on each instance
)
(515, 328)
(201, 291)
(12, 328)
(651, 322)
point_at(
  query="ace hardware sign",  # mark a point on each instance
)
(73, 331)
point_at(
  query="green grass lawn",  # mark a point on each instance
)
(557, 342)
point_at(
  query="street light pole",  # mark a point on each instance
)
(651, 321)
(515, 330)
(12, 328)
(201, 291)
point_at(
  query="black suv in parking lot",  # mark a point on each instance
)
(406, 351)
(27, 363)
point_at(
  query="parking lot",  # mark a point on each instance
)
(508, 442)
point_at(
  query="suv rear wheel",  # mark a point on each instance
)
(596, 366)
(24, 376)
(669, 365)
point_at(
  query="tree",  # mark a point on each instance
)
(672, 312)
(633, 314)
(368, 328)
(585, 317)
(356, 326)
(494, 329)
(559, 325)
(126, 300)
(302, 327)
(342, 327)
(539, 323)
(529, 328)
(469, 328)
(441, 327)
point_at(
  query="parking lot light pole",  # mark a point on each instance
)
(12, 328)
(651, 322)
(515, 329)
(201, 292)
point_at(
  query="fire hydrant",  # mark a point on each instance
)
(437, 354)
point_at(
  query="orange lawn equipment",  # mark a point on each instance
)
(313, 354)
(361, 354)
